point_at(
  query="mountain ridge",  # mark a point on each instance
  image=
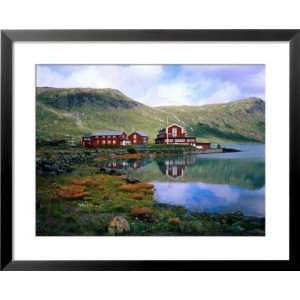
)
(67, 98)
(72, 112)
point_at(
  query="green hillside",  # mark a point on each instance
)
(64, 113)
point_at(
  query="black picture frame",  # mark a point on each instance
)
(8, 37)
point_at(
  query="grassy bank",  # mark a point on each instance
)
(82, 200)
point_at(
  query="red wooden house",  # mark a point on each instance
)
(138, 138)
(203, 146)
(105, 138)
(174, 134)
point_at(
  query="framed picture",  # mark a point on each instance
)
(150, 149)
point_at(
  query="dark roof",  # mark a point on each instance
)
(141, 133)
(177, 137)
(104, 133)
(175, 124)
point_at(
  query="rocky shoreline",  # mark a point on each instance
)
(78, 196)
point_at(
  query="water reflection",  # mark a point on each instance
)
(240, 172)
(175, 167)
(221, 183)
(212, 198)
(125, 164)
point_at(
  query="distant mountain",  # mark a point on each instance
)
(64, 113)
(69, 99)
(238, 121)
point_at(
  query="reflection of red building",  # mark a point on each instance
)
(123, 164)
(174, 134)
(105, 138)
(175, 171)
(176, 167)
(138, 138)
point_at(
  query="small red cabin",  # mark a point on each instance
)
(203, 146)
(138, 138)
(105, 138)
(174, 134)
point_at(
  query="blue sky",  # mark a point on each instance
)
(157, 85)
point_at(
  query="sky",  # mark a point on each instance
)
(159, 85)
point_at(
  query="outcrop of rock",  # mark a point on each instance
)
(118, 225)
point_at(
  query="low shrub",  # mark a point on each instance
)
(131, 150)
(72, 191)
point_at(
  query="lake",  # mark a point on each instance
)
(212, 183)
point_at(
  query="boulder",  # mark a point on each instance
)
(132, 180)
(118, 225)
(49, 167)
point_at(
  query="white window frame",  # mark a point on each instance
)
(174, 131)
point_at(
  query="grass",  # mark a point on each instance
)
(69, 113)
(85, 203)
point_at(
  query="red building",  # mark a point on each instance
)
(203, 146)
(105, 138)
(138, 138)
(174, 134)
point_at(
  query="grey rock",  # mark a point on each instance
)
(132, 180)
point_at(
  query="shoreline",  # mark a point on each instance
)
(76, 197)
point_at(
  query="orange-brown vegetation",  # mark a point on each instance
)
(174, 221)
(141, 212)
(101, 157)
(137, 187)
(138, 196)
(72, 191)
(87, 181)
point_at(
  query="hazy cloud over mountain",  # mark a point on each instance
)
(158, 85)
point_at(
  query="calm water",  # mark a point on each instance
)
(224, 182)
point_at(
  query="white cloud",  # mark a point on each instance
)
(222, 191)
(132, 80)
(224, 92)
(153, 84)
(47, 77)
(175, 93)
(257, 80)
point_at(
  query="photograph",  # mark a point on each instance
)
(150, 150)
